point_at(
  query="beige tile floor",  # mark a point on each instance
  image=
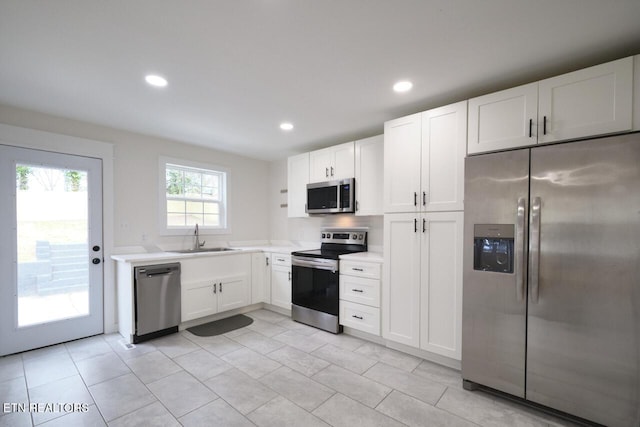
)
(275, 372)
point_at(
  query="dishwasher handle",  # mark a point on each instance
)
(163, 270)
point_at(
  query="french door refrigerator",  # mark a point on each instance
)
(551, 302)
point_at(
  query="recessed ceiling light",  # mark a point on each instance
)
(155, 80)
(286, 126)
(403, 86)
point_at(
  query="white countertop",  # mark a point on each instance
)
(363, 256)
(173, 256)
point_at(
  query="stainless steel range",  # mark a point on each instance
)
(315, 273)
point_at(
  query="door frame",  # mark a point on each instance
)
(65, 144)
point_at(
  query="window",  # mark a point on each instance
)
(193, 195)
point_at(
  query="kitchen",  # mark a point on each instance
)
(256, 199)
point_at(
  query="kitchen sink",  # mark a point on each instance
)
(199, 250)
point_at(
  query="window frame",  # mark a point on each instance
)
(164, 228)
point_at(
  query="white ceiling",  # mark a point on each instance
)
(237, 68)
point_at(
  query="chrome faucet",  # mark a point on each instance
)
(196, 244)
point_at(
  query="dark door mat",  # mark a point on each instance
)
(221, 326)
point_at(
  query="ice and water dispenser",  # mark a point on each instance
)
(493, 247)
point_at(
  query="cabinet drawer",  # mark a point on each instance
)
(360, 317)
(369, 270)
(360, 290)
(281, 259)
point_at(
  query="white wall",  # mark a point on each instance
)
(136, 180)
(308, 229)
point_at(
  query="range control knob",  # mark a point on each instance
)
(328, 235)
(360, 237)
(355, 236)
(323, 235)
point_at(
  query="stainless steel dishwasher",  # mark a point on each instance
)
(157, 300)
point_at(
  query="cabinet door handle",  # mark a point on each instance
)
(357, 269)
(267, 261)
(357, 206)
(358, 317)
(220, 287)
(424, 198)
(530, 126)
(214, 288)
(326, 172)
(357, 290)
(415, 199)
(424, 225)
(289, 276)
(331, 170)
(544, 125)
(415, 225)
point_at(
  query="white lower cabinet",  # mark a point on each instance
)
(360, 295)
(215, 284)
(422, 292)
(281, 280)
(360, 317)
(260, 277)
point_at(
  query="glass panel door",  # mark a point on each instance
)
(52, 275)
(52, 242)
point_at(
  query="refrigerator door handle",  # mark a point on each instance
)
(520, 262)
(534, 250)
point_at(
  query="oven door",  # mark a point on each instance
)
(314, 284)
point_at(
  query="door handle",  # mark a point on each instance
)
(326, 172)
(534, 250)
(520, 263)
(424, 225)
(424, 198)
(357, 290)
(415, 199)
(331, 170)
(214, 288)
(357, 317)
(415, 225)
(544, 125)
(220, 287)
(289, 276)
(530, 126)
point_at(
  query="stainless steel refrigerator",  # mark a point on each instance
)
(551, 302)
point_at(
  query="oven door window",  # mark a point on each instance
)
(315, 289)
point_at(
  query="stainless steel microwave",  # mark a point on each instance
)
(331, 197)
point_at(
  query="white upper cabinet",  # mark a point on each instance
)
(588, 102)
(593, 101)
(297, 180)
(402, 139)
(424, 160)
(505, 119)
(444, 138)
(336, 162)
(369, 173)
